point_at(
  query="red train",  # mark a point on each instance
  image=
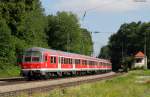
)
(41, 62)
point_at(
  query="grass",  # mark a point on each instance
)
(9, 71)
(123, 86)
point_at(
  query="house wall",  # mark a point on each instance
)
(139, 64)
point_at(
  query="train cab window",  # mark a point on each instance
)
(32, 56)
(53, 59)
(27, 59)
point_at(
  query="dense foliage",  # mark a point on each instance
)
(64, 33)
(123, 45)
(23, 24)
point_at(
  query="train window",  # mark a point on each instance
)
(85, 62)
(82, 62)
(65, 60)
(45, 58)
(27, 59)
(70, 61)
(62, 60)
(77, 61)
(35, 59)
(99, 63)
(53, 60)
(32, 56)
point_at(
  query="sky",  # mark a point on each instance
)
(105, 16)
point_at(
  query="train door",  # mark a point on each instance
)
(73, 63)
(53, 61)
(59, 63)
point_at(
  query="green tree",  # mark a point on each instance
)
(86, 42)
(129, 39)
(6, 44)
(64, 33)
(25, 23)
(104, 52)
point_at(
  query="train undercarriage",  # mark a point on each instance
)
(37, 74)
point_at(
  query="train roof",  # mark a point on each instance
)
(62, 53)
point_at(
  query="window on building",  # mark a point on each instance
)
(139, 60)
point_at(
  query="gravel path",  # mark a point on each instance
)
(8, 88)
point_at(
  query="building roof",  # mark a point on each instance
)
(140, 54)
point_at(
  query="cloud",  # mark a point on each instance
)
(100, 5)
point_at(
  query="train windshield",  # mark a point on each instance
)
(32, 56)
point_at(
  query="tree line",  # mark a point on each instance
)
(23, 24)
(126, 42)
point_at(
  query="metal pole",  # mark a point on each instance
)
(82, 45)
(122, 53)
(145, 58)
(92, 54)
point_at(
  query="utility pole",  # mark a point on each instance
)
(122, 53)
(145, 58)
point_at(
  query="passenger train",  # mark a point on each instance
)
(41, 62)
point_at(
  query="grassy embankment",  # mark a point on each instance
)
(134, 84)
(9, 71)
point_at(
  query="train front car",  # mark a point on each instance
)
(33, 61)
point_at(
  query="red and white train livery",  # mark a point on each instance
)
(46, 62)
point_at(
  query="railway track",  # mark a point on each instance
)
(21, 80)
(14, 80)
(29, 88)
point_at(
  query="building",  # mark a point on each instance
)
(140, 60)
